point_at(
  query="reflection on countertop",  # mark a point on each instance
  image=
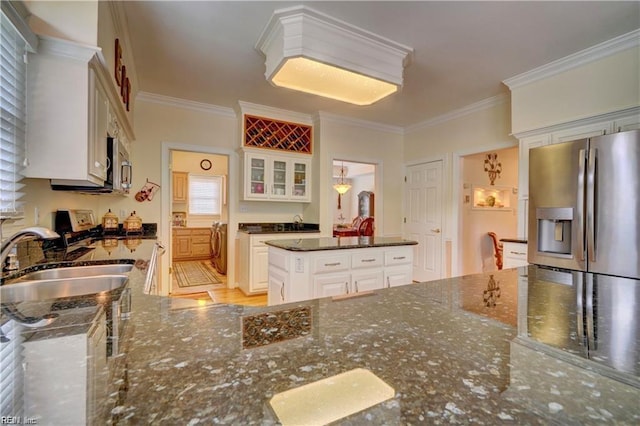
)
(454, 350)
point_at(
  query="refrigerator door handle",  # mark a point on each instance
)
(578, 276)
(592, 338)
(591, 183)
(580, 203)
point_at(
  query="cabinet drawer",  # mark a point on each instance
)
(199, 239)
(514, 250)
(368, 258)
(201, 232)
(397, 256)
(200, 250)
(331, 263)
(182, 232)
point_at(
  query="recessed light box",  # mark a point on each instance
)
(309, 51)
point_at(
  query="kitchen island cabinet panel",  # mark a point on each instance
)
(191, 243)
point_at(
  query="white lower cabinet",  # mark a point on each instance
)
(66, 377)
(253, 276)
(514, 254)
(298, 275)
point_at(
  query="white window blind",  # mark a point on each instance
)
(205, 195)
(13, 50)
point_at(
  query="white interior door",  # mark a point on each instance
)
(423, 222)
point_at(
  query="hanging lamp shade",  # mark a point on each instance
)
(342, 187)
(311, 52)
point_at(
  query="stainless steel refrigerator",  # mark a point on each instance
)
(584, 233)
(584, 205)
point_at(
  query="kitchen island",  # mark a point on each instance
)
(307, 268)
(460, 350)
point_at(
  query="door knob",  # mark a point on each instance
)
(436, 230)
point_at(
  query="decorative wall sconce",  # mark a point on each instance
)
(492, 167)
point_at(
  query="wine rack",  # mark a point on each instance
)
(260, 132)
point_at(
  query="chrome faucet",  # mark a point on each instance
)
(24, 234)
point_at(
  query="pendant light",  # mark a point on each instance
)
(341, 186)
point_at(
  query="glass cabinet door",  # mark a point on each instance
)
(300, 179)
(258, 175)
(279, 179)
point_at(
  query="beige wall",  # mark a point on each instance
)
(352, 141)
(477, 130)
(69, 20)
(607, 85)
(477, 222)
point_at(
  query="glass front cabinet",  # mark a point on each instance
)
(276, 177)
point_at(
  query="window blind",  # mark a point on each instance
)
(205, 195)
(12, 118)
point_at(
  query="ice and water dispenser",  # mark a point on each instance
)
(554, 230)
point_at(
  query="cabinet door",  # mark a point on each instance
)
(397, 275)
(280, 172)
(260, 269)
(181, 246)
(367, 280)
(301, 180)
(256, 173)
(180, 187)
(582, 132)
(98, 122)
(331, 285)
(277, 287)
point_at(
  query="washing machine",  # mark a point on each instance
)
(219, 246)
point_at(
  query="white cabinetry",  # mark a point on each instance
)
(276, 177)
(311, 274)
(71, 101)
(66, 377)
(253, 276)
(514, 254)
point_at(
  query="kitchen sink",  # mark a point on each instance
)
(77, 272)
(47, 289)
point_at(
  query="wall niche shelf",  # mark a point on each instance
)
(494, 198)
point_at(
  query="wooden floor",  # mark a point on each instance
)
(221, 295)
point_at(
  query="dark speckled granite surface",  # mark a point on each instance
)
(336, 243)
(455, 351)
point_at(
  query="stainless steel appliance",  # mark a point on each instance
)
(219, 246)
(119, 173)
(584, 205)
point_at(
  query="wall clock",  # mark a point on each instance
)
(205, 164)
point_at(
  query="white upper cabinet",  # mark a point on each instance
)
(276, 177)
(72, 105)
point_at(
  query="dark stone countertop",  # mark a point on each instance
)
(278, 228)
(459, 350)
(338, 243)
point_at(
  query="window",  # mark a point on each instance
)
(13, 50)
(205, 194)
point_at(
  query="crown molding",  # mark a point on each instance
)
(17, 13)
(591, 54)
(458, 113)
(372, 125)
(185, 104)
(272, 112)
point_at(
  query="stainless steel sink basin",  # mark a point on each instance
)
(78, 272)
(47, 289)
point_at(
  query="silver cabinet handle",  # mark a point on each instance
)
(436, 230)
(388, 282)
(346, 286)
(357, 287)
(332, 264)
(282, 292)
(367, 260)
(517, 252)
(399, 257)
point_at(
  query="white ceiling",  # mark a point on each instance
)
(204, 51)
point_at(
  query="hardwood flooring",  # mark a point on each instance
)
(232, 296)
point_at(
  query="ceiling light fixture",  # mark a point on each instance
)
(341, 187)
(311, 52)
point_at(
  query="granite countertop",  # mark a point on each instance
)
(278, 228)
(514, 240)
(454, 350)
(337, 243)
